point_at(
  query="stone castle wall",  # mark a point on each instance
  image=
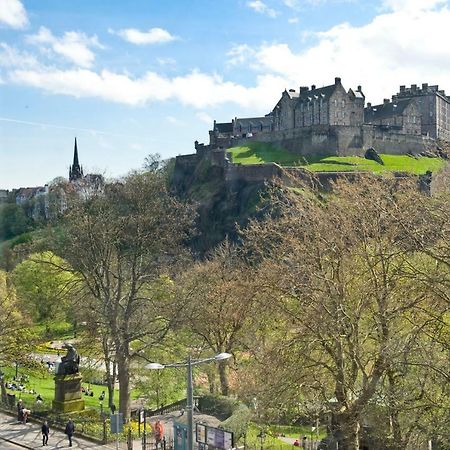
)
(341, 140)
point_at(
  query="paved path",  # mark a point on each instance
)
(29, 436)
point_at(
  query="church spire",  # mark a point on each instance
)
(75, 170)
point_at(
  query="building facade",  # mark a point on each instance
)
(434, 107)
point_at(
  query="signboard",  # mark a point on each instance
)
(116, 423)
(200, 433)
(214, 437)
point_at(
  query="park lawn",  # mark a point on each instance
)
(392, 163)
(43, 383)
(271, 441)
(260, 153)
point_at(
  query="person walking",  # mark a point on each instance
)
(45, 431)
(70, 429)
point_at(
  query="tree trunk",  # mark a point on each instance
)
(396, 430)
(347, 427)
(123, 371)
(223, 374)
(111, 380)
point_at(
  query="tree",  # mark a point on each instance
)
(343, 275)
(15, 337)
(220, 304)
(13, 221)
(124, 243)
(43, 289)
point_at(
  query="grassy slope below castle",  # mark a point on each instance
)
(260, 153)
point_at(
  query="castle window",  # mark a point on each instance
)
(343, 103)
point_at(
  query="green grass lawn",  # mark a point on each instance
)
(260, 153)
(44, 384)
(271, 441)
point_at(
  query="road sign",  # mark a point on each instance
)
(116, 423)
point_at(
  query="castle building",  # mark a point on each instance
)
(332, 120)
(401, 115)
(434, 107)
(328, 105)
(75, 170)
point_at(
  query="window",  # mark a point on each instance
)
(343, 103)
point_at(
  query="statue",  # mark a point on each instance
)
(69, 364)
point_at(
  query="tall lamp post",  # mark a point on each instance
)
(190, 390)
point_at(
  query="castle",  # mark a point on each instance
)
(331, 120)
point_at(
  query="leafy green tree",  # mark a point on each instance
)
(13, 221)
(43, 288)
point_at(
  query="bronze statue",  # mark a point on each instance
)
(69, 364)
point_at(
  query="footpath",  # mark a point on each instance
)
(29, 436)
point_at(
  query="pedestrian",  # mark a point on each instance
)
(159, 432)
(45, 431)
(304, 442)
(20, 410)
(296, 443)
(70, 429)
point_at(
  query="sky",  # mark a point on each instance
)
(131, 78)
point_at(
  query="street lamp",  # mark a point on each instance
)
(190, 396)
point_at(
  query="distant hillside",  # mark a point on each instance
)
(260, 153)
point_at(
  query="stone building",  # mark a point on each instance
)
(434, 107)
(331, 120)
(328, 105)
(402, 116)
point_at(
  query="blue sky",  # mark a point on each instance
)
(129, 78)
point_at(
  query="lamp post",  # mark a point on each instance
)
(190, 396)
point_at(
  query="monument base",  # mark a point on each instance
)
(68, 397)
(68, 406)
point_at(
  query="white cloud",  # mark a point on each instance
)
(196, 89)
(166, 61)
(204, 117)
(152, 36)
(412, 5)
(13, 14)
(11, 57)
(290, 3)
(396, 47)
(261, 8)
(293, 20)
(73, 45)
(240, 54)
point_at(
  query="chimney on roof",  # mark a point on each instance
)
(304, 89)
(337, 80)
(402, 88)
(369, 105)
(386, 101)
(424, 86)
(291, 90)
(313, 86)
(413, 87)
(358, 89)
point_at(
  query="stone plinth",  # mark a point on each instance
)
(68, 396)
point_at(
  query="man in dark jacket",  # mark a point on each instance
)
(70, 428)
(45, 431)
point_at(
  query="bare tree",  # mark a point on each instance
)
(339, 272)
(220, 303)
(123, 244)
